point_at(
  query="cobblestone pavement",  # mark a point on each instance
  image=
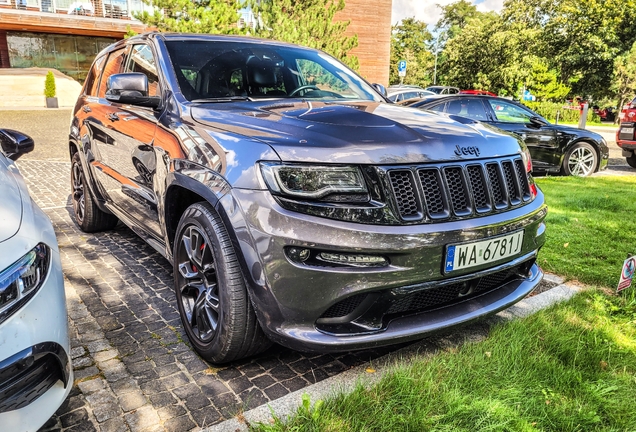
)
(134, 369)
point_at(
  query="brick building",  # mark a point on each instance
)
(66, 34)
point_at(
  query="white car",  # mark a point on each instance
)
(36, 373)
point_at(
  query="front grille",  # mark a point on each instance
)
(459, 190)
(437, 297)
(21, 384)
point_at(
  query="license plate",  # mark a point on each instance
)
(627, 131)
(466, 255)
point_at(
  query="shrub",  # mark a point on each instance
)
(548, 110)
(49, 85)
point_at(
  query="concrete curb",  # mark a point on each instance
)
(348, 380)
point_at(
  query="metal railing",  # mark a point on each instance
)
(118, 9)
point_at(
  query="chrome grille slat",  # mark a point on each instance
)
(459, 190)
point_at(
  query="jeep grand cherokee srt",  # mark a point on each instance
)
(295, 204)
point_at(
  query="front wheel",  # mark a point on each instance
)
(580, 160)
(631, 160)
(213, 302)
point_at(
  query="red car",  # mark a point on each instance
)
(477, 92)
(626, 140)
(628, 113)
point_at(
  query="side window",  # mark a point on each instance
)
(114, 65)
(409, 95)
(510, 113)
(92, 81)
(141, 60)
(467, 107)
(437, 108)
(314, 74)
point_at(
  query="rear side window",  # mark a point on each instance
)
(114, 65)
(92, 82)
(141, 60)
(467, 107)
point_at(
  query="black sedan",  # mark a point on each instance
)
(554, 148)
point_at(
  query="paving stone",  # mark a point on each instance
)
(77, 352)
(91, 386)
(123, 386)
(206, 416)
(252, 398)
(101, 397)
(131, 401)
(143, 418)
(82, 362)
(116, 424)
(179, 424)
(86, 372)
(294, 384)
(74, 417)
(162, 399)
(276, 391)
(240, 384)
(173, 381)
(106, 411)
(103, 356)
(171, 411)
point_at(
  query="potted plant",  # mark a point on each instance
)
(49, 90)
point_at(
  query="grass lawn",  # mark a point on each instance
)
(568, 368)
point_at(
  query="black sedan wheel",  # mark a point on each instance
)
(580, 160)
(88, 216)
(215, 308)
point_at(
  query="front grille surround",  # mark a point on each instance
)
(450, 191)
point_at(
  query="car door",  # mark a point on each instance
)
(127, 158)
(542, 140)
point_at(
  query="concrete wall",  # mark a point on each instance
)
(371, 21)
(25, 88)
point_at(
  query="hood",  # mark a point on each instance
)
(359, 133)
(575, 131)
(10, 202)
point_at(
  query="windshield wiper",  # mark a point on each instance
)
(223, 99)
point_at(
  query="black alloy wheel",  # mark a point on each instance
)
(77, 184)
(88, 216)
(215, 308)
(198, 285)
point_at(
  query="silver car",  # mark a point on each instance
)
(35, 367)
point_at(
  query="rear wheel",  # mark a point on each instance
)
(631, 160)
(580, 160)
(88, 216)
(213, 302)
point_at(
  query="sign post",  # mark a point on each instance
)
(402, 70)
(627, 274)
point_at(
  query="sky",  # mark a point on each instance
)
(427, 10)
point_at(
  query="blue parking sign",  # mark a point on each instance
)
(402, 66)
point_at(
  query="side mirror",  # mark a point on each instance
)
(15, 144)
(131, 88)
(380, 88)
(537, 122)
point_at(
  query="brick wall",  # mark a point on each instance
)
(4, 50)
(371, 21)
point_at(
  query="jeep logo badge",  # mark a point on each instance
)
(459, 151)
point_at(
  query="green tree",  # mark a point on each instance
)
(309, 23)
(624, 77)
(410, 41)
(455, 17)
(194, 16)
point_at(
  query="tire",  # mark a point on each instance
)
(631, 160)
(212, 297)
(88, 216)
(581, 160)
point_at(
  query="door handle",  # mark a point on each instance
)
(86, 109)
(112, 117)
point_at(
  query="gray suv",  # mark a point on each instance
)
(295, 203)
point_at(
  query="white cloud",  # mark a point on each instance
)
(428, 11)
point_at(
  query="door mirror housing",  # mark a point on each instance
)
(380, 88)
(131, 88)
(15, 144)
(537, 122)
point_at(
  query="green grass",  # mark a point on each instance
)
(568, 368)
(590, 227)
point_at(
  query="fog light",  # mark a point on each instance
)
(298, 254)
(354, 260)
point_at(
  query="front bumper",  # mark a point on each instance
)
(35, 367)
(291, 298)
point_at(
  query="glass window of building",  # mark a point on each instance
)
(114, 65)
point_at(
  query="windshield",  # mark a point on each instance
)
(225, 71)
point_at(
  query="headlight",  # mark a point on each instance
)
(22, 279)
(315, 182)
(527, 160)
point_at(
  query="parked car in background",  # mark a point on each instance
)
(319, 217)
(443, 89)
(477, 92)
(626, 140)
(554, 148)
(35, 367)
(400, 93)
(607, 114)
